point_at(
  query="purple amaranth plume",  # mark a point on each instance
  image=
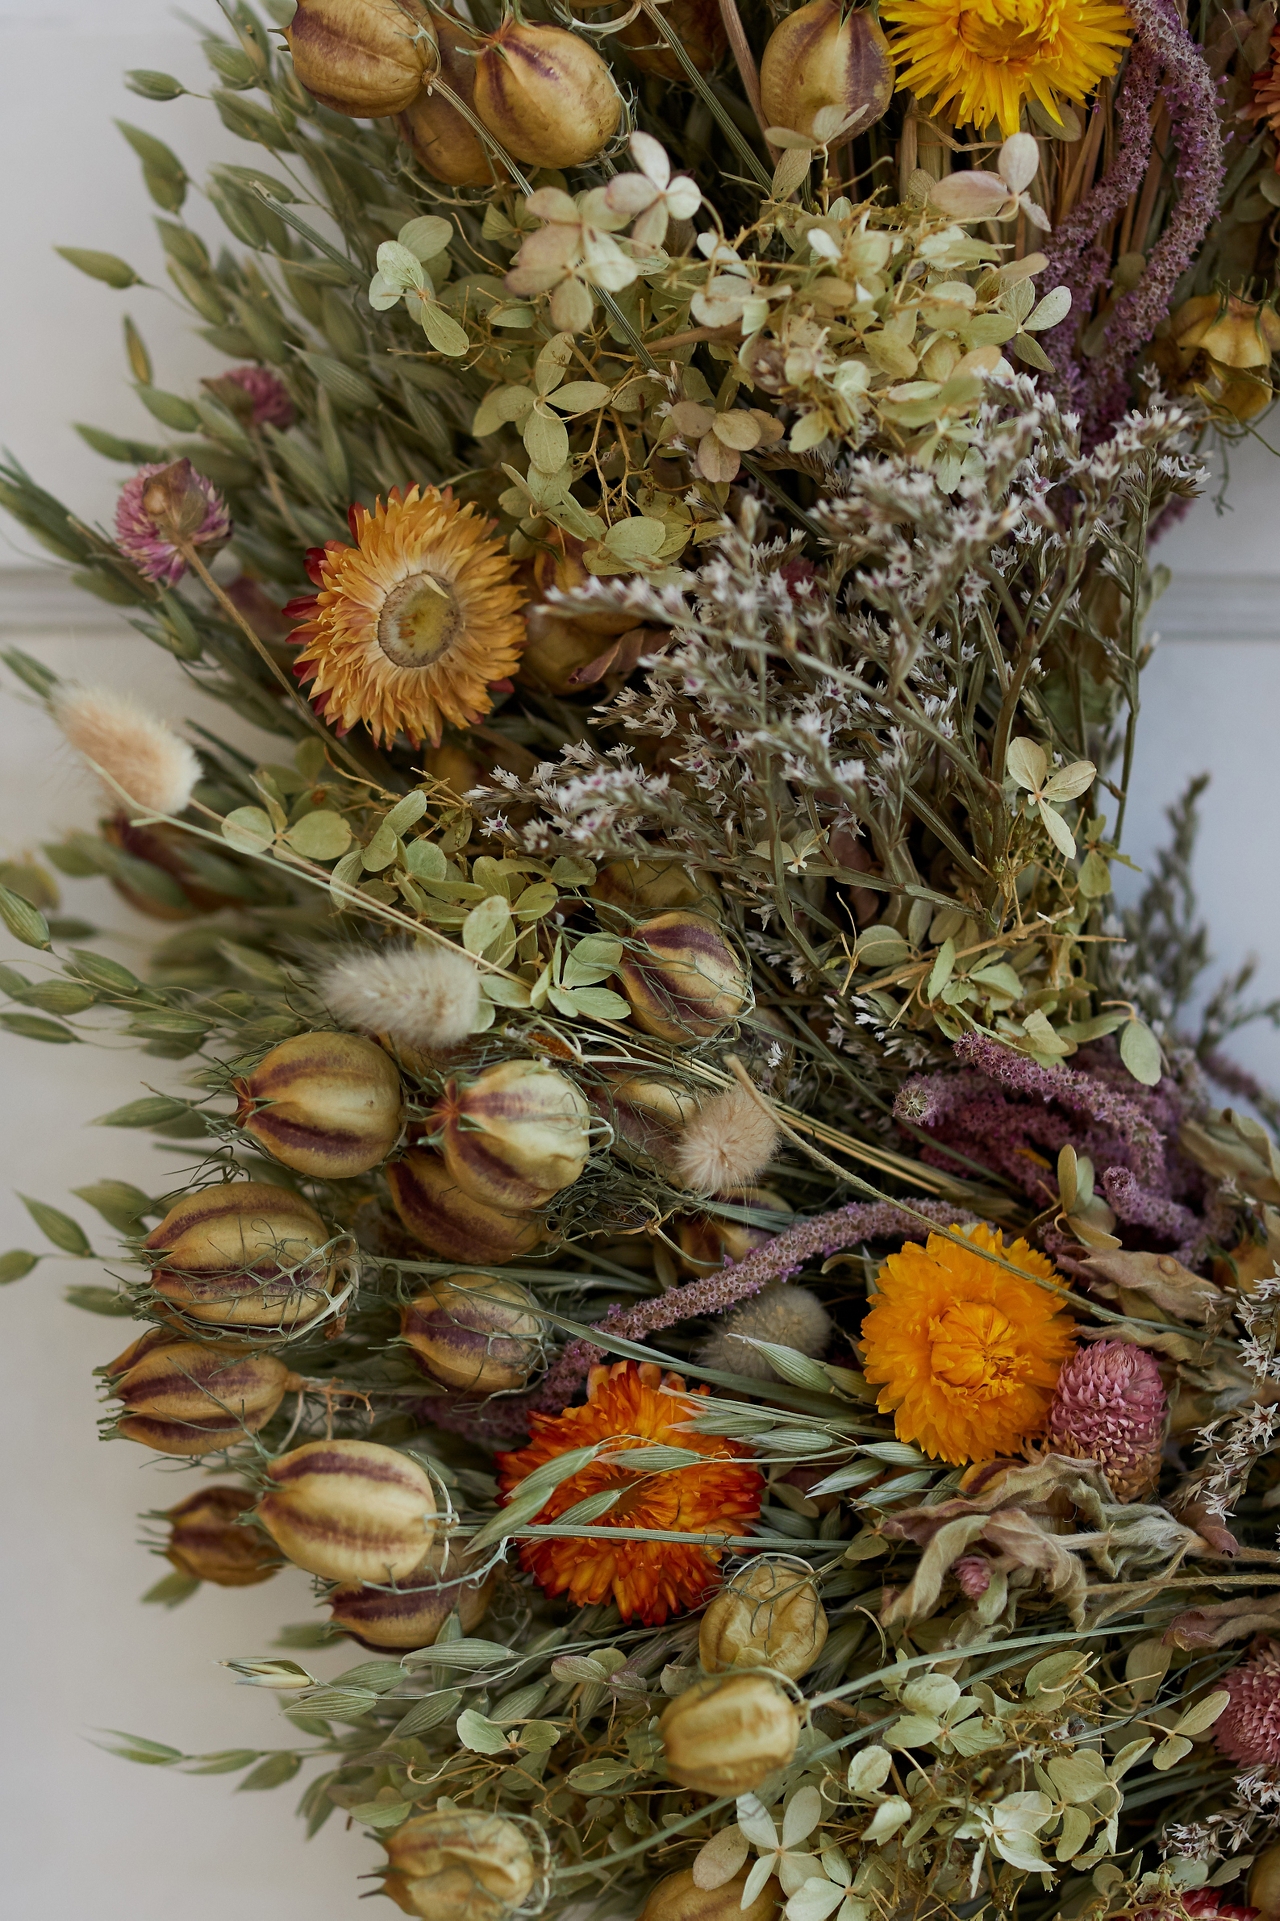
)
(1109, 1406)
(165, 506)
(1015, 1116)
(1248, 1729)
(1164, 54)
(1089, 1094)
(1140, 1207)
(777, 1260)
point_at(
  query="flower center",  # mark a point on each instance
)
(973, 1347)
(420, 620)
(1002, 30)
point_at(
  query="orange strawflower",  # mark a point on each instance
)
(968, 1354)
(414, 624)
(629, 1407)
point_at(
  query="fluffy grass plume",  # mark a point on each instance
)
(790, 1316)
(726, 1144)
(421, 996)
(139, 755)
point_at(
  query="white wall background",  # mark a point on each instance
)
(80, 1831)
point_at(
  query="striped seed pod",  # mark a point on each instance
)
(208, 1542)
(413, 1615)
(458, 1864)
(514, 1136)
(435, 132)
(359, 57)
(646, 1114)
(724, 1737)
(349, 1510)
(437, 1212)
(325, 1104)
(625, 891)
(699, 27)
(679, 1898)
(243, 1254)
(767, 1616)
(824, 56)
(184, 1397)
(546, 95)
(682, 979)
(476, 1332)
(707, 1243)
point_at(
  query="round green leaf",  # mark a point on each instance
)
(445, 335)
(323, 835)
(248, 829)
(1140, 1052)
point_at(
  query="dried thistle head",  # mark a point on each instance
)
(427, 996)
(789, 1316)
(135, 754)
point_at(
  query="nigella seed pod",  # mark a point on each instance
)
(699, 27)
(682, 980)
(710, 1243)
(325, 1104)
(646, 1115)
(822, 57)
(440, 139)
(707, 1242)
(180, 1397)
(458, 1864)
(476, 1332)
(451, 1222)
(546, 95)
(1264, 1883)
(208, 1541)
(242, 1254)
(679, 1898)
(724, 1737)
(365, 58)
(413, 1615)
(626, 891)
(516, 1135)
(165, 848)
(349, 1510)
(768, 1616)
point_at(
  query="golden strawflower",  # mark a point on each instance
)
(978, 61)
(635, 1407)
(968, 1354)
(414, 625)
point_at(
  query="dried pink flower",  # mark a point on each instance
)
(973, 1572)
(268, 397)
(1248, 1729)
(1109, 1407)
(163, 503)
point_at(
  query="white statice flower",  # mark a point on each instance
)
(652, 196)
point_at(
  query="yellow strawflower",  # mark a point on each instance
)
(979, 61)
(966, 1353)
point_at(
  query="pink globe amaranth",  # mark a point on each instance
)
(267, 393)
(1110, 1407)
(1248, 1729)
(139, 534)
(973, 1573)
